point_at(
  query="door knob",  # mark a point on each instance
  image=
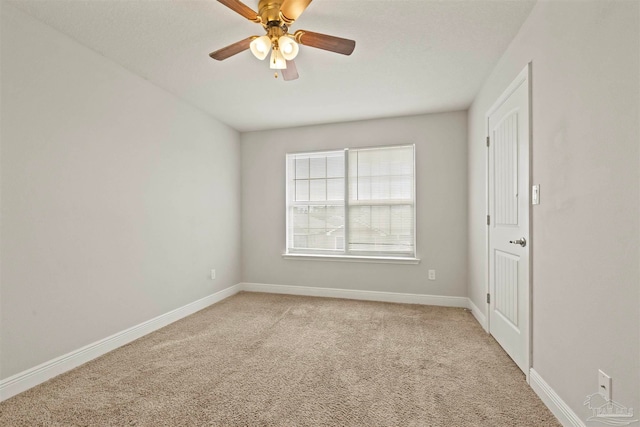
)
(522, 242)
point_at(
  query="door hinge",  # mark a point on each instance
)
(487, 140)
(488, 220)
(488, 298)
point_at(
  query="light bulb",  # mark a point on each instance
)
(277, 61)
(260, 47)
(288, 47)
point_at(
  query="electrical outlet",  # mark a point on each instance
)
(213, 274)
(432, 275)
(604, 385)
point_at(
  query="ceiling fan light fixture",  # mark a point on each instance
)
(277, 61)
(275, 17)
(288, 48)
(260, 47)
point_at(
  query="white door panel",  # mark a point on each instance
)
(506, 291)
(508, 182)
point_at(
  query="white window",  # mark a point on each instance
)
(352, 202)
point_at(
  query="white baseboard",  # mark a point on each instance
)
(556, 405)
(45, 371)
(357, 294)
(479, 315)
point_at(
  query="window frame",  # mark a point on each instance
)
(346, 254)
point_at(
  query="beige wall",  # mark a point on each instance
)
(117, 198)
(586, 231)
(441, 162)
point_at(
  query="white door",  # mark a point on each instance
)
(508, 222)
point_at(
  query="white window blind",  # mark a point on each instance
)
(381, 200)
(368, 212)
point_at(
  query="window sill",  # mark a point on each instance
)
(349, 258)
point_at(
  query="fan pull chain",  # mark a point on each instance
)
(275, 75)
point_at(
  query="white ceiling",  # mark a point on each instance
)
(411, 56)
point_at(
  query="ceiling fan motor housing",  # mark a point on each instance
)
(276, 29)
(269, 12)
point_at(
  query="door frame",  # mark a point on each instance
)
(524, 76)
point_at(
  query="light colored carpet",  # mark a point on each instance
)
(276, 360)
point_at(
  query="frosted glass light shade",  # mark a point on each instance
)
(277, 61)
(260, 47)
(288, 47)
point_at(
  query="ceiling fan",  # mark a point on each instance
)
(275, 16)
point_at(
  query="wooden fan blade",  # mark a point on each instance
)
(291, 72)
(241, 8)
(292, 9)
(323, 41)
(232, 49)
